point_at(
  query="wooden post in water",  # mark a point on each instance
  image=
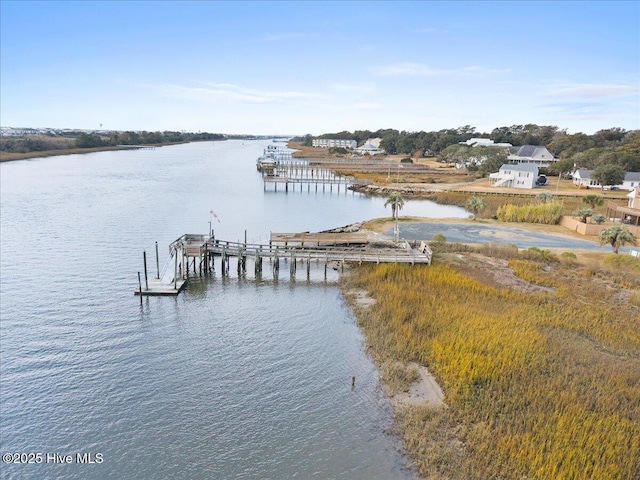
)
(175, 269)
(140, 288)
(222, 261)
(157, 263)
(326, 261)
(146, 278)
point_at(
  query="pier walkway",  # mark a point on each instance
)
(198, 253)
(295, 174)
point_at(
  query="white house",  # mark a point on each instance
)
(582, 179)
(517, 176)
(370, 148)
(333, 142)
(483, 142)
(532, 154)
(631, 181)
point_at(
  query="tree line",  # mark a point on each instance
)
(53, 141)
(613, 146)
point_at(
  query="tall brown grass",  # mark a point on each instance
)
(548, 213)
(543, 385)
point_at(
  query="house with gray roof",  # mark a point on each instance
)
(369, 148)
(516, 176)
(582, 179)
(531, 154)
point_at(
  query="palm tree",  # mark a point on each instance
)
(476, 205)
(617, 236)
(593, 200)
(583, 213)
(396, 202)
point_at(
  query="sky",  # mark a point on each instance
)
(298, 67)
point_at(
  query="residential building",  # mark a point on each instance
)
(532, 154)
(515, 176)
(484, 142)
(370, 148)
(582, 179)
(333, 143)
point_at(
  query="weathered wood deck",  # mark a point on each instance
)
(318, 239)
(199, 253)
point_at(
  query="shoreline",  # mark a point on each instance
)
(14, 157)
(440, 433)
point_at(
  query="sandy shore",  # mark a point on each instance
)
(425, 391)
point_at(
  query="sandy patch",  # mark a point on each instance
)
(361, 298)
(425, 391)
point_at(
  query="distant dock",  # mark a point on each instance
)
(294, 174)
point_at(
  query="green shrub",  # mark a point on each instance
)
(621, 262)
(438, 237)
(568, 257)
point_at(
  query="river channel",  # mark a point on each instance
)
(234, 378)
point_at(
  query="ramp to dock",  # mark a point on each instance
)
(306, 239)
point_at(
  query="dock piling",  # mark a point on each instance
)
(157, 263)
(146, 278)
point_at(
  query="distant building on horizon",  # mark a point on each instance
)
(483, 142)
(371, 147)
(334, 143)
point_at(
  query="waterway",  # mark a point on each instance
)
(234, 378)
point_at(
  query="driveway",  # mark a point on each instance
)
(478, 234)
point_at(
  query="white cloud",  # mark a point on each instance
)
(276, 37)
(368, 106)
(593, 90)
(421, 70)
(212, 92)
(354, 87)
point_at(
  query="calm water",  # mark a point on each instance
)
(232, 379)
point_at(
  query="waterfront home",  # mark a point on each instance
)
(582, 179)
(484, 142)
(370, 148)
(333, 143)
(531, 154)
(516, 176)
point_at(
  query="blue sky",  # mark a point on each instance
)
(316, 67)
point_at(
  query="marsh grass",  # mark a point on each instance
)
(539, 385)
(398, 377)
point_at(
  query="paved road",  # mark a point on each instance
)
(478, 233)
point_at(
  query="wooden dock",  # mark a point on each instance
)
(198, 254)
(318, 239)
(157, 288)
(292, 175)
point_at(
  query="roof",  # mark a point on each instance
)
(628, 177)
(582, 173)
(520, 167)
(531, 151)
(632, 177)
